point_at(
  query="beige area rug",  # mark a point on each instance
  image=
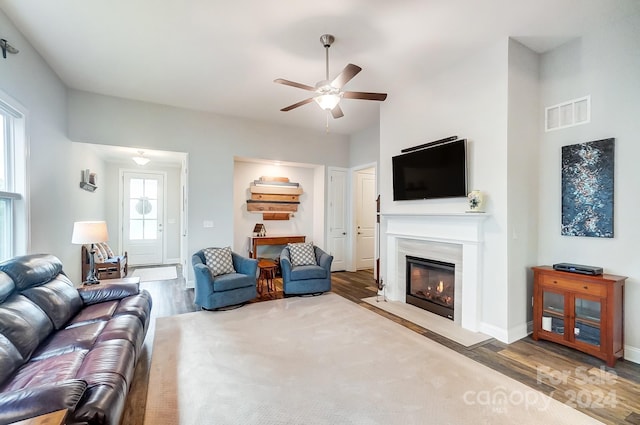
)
(325, 360)
(427, 320)
(155, 273)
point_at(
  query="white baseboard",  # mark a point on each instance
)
(172, 261)
(190, 284)
(631, 354)
(494, 331)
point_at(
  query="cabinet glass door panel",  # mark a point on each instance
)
(553, 312)
(587, 323)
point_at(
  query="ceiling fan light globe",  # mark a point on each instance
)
(327, 101)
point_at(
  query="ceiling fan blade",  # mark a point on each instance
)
(294, 84)
(346, 75)
(295, 105)
(364, 95)
(336, 112)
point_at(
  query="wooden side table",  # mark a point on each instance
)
(267, 273)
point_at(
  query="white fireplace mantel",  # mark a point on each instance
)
(465, 229)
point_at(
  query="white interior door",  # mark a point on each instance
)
(338, 218)
(365, 218)
(142, 217)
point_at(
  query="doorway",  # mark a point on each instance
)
(365, 194)
(143, 216)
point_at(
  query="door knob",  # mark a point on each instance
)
(344, 233)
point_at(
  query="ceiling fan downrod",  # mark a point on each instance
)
(327, 40)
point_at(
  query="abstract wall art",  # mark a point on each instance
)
(587, 189)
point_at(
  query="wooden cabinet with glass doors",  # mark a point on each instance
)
(580, 311)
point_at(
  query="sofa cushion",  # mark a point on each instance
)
(32, 270)
(6, 286)
(219, 260)
(308, 272)
(94, 313)
(58, 299)
(136, 305)
(10, 358)
(24, 324)
(47, 371)
(115, 357)
(231, 281)
(35, 401)
(68, 340)
(128, 328)
(302, 254)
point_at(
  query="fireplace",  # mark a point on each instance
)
(431, 285)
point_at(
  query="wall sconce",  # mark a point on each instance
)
(6, 47)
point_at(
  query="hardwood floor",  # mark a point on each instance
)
(611, 395)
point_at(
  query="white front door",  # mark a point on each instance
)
(365, 218)
(142, 218)
(338, 218)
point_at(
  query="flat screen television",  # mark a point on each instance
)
(435, 172)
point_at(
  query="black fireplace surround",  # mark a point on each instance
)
(430, 285)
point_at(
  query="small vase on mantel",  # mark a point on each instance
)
(476, 201)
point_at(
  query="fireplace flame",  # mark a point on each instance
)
(440, 287)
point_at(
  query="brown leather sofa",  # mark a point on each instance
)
(63, 347)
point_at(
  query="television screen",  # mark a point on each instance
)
(435, 172)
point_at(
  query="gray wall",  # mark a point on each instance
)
(606, 65)
(56, 200)
(212, 141)
(364, 147)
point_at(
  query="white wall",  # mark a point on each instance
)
(522, 170)
(468, 100)
(302, 223)
(56, 200)
(606, 65)
(364, 146)
(212, 141)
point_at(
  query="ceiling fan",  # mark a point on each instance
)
(329, 92)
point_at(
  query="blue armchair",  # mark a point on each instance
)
(227, 289)
(309, 279)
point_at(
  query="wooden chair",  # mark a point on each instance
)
(113, 267)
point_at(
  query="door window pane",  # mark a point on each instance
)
(135, 230)
(553, 312)
(150, 229)
(136, 188)
(587, 327)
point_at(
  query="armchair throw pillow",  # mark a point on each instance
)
(219, 260)
(302, 254)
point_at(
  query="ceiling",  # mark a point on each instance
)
(222, 56)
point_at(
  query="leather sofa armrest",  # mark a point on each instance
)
(29, 402)
(102, 292)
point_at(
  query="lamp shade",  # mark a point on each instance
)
(85, 232)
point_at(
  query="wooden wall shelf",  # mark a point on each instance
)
(276, 198)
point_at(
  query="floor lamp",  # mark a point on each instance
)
(90, 232)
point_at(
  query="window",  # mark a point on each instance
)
(13, 222)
